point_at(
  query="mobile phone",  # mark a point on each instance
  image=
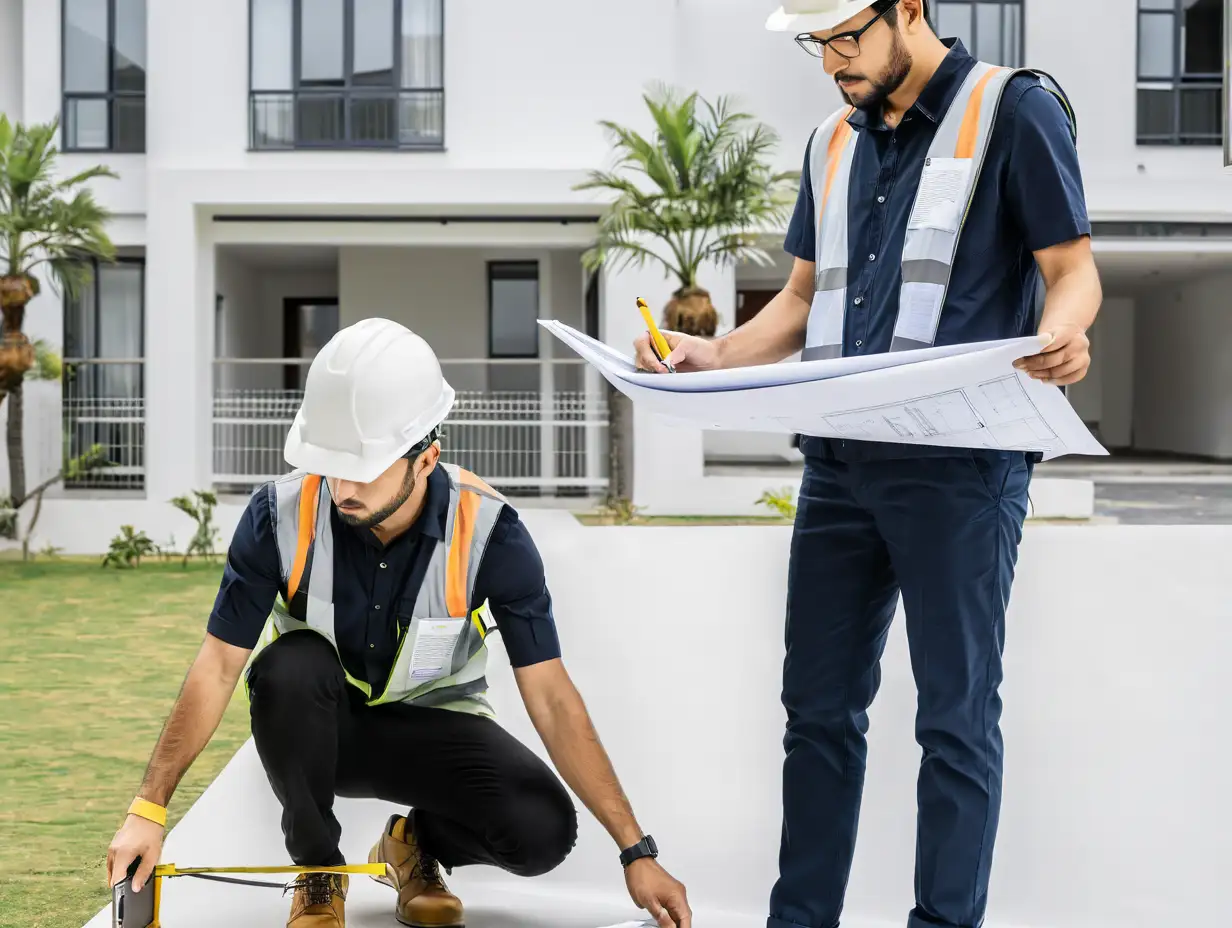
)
(129, 908)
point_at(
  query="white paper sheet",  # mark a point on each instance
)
(965, 396)
(943, 185)
(433, 652)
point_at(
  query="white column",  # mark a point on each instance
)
(179, 339)
(547, 379)
(592, 387)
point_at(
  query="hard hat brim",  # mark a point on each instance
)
(797, 23)
(356, 468)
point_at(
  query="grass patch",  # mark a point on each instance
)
(92, 660)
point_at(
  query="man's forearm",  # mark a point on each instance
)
(773, 334)
(575, 749)
(1073, 299)
(194, 718)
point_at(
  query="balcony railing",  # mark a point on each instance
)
(368, 118)
(528, 427)
(525, 426)
(103, 403)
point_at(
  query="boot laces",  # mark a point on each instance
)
(317, 887)
(428, 870)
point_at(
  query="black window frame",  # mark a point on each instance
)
(1176, 83)
(519, 270)
(933, 10)
(349, 91)
(110, 95)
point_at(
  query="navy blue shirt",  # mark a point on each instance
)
(1029, 197)
(375, 585)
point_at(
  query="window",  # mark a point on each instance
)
(103, 384)
(513, 308)
(346, 74)
(991, 30)
(103, 75)
(1180, 72)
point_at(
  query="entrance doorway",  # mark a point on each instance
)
(307, 324)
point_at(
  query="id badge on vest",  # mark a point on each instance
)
(432, 656)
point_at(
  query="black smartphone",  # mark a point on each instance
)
(131, 909)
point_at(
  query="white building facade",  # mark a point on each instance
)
(289, 166)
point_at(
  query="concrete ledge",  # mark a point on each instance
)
(86, 526)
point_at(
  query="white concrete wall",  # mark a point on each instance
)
(1105, 395)
(11, 54)
(1091, 49)
(1115, 791)
(442, 294)
(1183, 360)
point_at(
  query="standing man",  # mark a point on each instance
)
(382, 572)
(927, 205)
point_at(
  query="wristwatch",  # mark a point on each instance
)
(644, 848)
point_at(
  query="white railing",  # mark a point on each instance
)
(103, 403)
(528, 427)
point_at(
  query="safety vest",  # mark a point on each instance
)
(951, 172)
(442, 658)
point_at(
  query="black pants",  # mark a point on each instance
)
(479, 796)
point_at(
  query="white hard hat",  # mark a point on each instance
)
(373, 392)
(799, 16)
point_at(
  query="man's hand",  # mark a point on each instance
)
(654, 889)
(1065, 360)
(137, 837)
(689, 353)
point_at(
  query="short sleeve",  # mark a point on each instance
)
(251, 577)
(1044, 186)
(511, 578)
(801, 231)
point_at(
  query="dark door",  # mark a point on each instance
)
(750, 302)
(308, 323)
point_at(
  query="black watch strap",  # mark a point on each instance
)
(644, 848)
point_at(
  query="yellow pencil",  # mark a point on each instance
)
(662, 348)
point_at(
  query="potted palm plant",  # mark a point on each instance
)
(701, 190)
(44, 220)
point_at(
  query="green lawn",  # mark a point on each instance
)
(91, 660)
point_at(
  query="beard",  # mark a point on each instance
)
(888, 81)
(376, 518)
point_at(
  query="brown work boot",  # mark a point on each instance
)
(318, 901)
(423, 899)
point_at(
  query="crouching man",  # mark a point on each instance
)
(357, 598)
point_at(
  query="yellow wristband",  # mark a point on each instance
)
(146, 809)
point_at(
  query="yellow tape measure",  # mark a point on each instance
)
(171, 871)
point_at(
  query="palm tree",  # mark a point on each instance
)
(711, 194)
(43, 221)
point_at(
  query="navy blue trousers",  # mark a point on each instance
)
(942, 529)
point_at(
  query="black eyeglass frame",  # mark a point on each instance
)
(805, 39)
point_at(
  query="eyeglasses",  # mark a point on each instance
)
(845, 44)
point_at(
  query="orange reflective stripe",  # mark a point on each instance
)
(309, 494)
(460, 552)
(838, 141)
(971, 119)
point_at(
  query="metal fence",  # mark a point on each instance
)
(524, 441)
(529, 427)
(103, 403)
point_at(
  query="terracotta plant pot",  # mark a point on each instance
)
(690, 311)
(16, 357)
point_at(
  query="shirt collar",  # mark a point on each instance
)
(937, 94)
